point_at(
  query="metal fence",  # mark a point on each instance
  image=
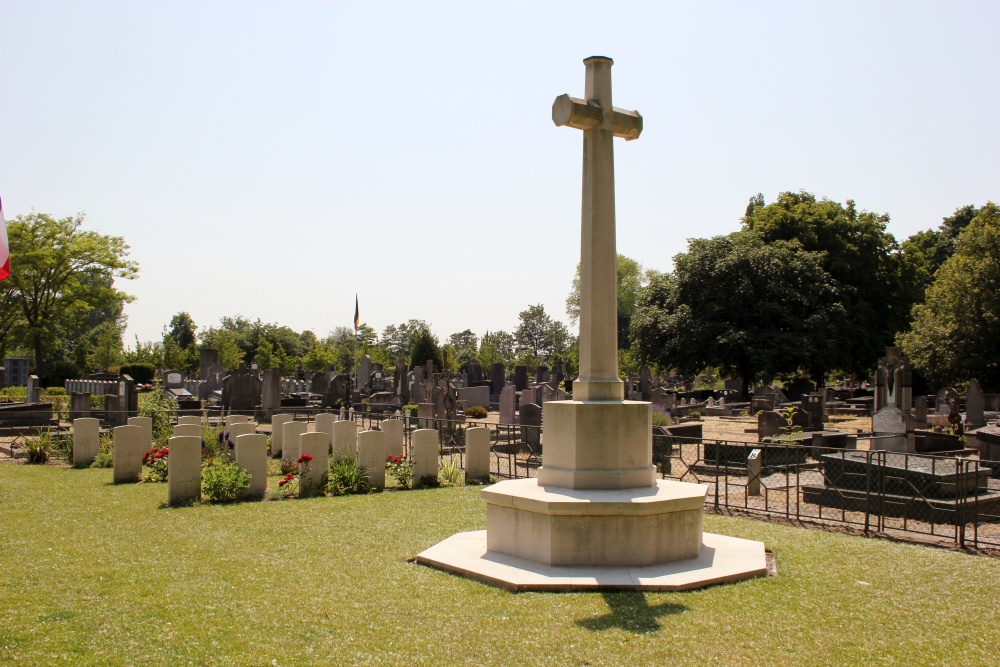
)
(951, 500)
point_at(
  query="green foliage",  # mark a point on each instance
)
(955, 334)
(424, 347)
(347, 476)
(140, 372)
(155, 405)
(496, 347)
(223, 341)
(539, 338)
(105, 453)
(860, 260)
(155, 465)
(223, 481)
(476, 412)
(400, 469)
(36, 450)
(182, 329)
(740, 304)
(450, 473)
(64, 282)
(412, 407)
(319, 356)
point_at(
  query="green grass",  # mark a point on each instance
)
(95, 574)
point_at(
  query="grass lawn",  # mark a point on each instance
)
(95, 574)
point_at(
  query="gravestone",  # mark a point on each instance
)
(270, 396)
(520, 377)
(558, 374)
(241, 428)
(425, 415)
(372, 451)
(189, 419)
(530, 419)
(364, 372)
(941, 403)
(345, 439)
(920, 409)
(424, 454)
(508, 401)
(32, 394)
(477, 453)
(644, 384)
(146, 424)
(769, 424)
(184, 470)
(250, 453)
(475, 373)
(207, 358)
(277, 431)
(235, 419)
(892, 420)
(541, 374)
(394, 438)
(241, 390)
(189, 430)
(80, 404)
(475, 396)
(86, 441)
(530, 396)
(128, 451)
(812, 407)
(313, 474)
(498, 378)
(320, 383)
(324, 424)
(975, 404)
(290, 444)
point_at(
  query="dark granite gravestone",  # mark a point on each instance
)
(241, 390)
(520, 378)
(530, 419)
(320, 383)
(498, 378)
(207, 358)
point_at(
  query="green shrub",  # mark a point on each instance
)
(476, 412)
(223, 481)
(660, 419)
(450, 473)
(412, 407)
(36, 451)
(53, 391)
(347, 476)
(105, 453)
(400, 469)
(161, 410)
(428, 482)
(140, 372)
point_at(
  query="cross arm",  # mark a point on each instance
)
(581, 115)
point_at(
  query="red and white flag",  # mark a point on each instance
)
(4, 247)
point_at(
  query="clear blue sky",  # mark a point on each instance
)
(273, 159)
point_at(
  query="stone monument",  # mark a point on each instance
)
(596, 517)
(892, 421)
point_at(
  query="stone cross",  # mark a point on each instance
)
(601, 123)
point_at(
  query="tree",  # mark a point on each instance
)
(741, 304)
(425, 347)
(61, 271)
(631, 279)
(318, 357)
(539, 337)
(464, 347)
(861, 260)
(955, 334)
(223, 341)
(926, 251)
(182, 329)
(496, 348)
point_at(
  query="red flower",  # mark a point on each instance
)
(289, 476)
(305, 458)
(166, 451)
(158, 455)
(282, 482)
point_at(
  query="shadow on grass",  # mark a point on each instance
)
(631, 612)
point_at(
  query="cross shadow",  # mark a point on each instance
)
(631, 612)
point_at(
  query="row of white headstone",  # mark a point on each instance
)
(337, 436)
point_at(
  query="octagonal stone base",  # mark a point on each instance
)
(721, 560)
(559, 526)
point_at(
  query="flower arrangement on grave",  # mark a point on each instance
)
(400, 469)
(288, 486)
(154, 464)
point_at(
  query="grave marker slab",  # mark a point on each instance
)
(184, 470)
(425, 448)
(290, 444)
(146, 424)
(372, 452)
(128, 454)
(313, 475)
(345, 439)
(250, 453)
(187, 430)
(86, 441)
(477, 453)
(394, 439)
(192, 420)
(277, 424)
(241, 428)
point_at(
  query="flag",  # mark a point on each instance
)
(357, 314)
(4, 248)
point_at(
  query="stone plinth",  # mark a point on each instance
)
(313, 476)
(192, 420)
(250, 453)
(393, 429)
(290, 433)
(277, 422)
(146, 424)
(241, 428)
(128, 454)
(622, 527)
(86, 441)
(345, 439)
(187, 430)
(477, 453)
(184, 469)
(424, 449)
(598, 445)
(371, 456)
